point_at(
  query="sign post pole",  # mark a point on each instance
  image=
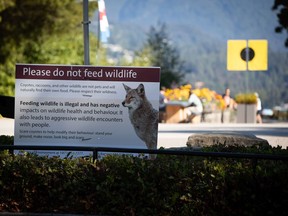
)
(86, 23)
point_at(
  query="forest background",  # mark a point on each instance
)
(195, 33)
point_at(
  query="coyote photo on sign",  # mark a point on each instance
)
(143, 116)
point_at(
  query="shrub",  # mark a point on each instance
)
(248, 98)
(126, 185)
(6, 140)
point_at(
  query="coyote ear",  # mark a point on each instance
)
(127, 88)
(141, 90)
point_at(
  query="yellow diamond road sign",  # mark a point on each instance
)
(245, 55)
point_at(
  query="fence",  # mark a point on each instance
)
(96, 150)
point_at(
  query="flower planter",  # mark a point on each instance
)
(246, 113)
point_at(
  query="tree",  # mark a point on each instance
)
(40, 32)
(158, 51)
(29, 23)
(282, 16)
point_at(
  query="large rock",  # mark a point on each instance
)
(225, 138)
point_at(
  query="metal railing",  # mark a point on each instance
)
(96, 150)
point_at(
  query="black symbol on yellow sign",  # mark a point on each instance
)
(245, 55)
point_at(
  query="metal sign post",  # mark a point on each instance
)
(86, 23)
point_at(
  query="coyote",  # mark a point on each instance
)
(143, 116)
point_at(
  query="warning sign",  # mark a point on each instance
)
(72, 105)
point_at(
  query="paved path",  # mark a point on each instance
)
(176, 135)
(6, 126)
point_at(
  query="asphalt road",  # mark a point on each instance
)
(176, 135)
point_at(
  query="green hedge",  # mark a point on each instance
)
(125, 185)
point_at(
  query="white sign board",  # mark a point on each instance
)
(61, 105)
